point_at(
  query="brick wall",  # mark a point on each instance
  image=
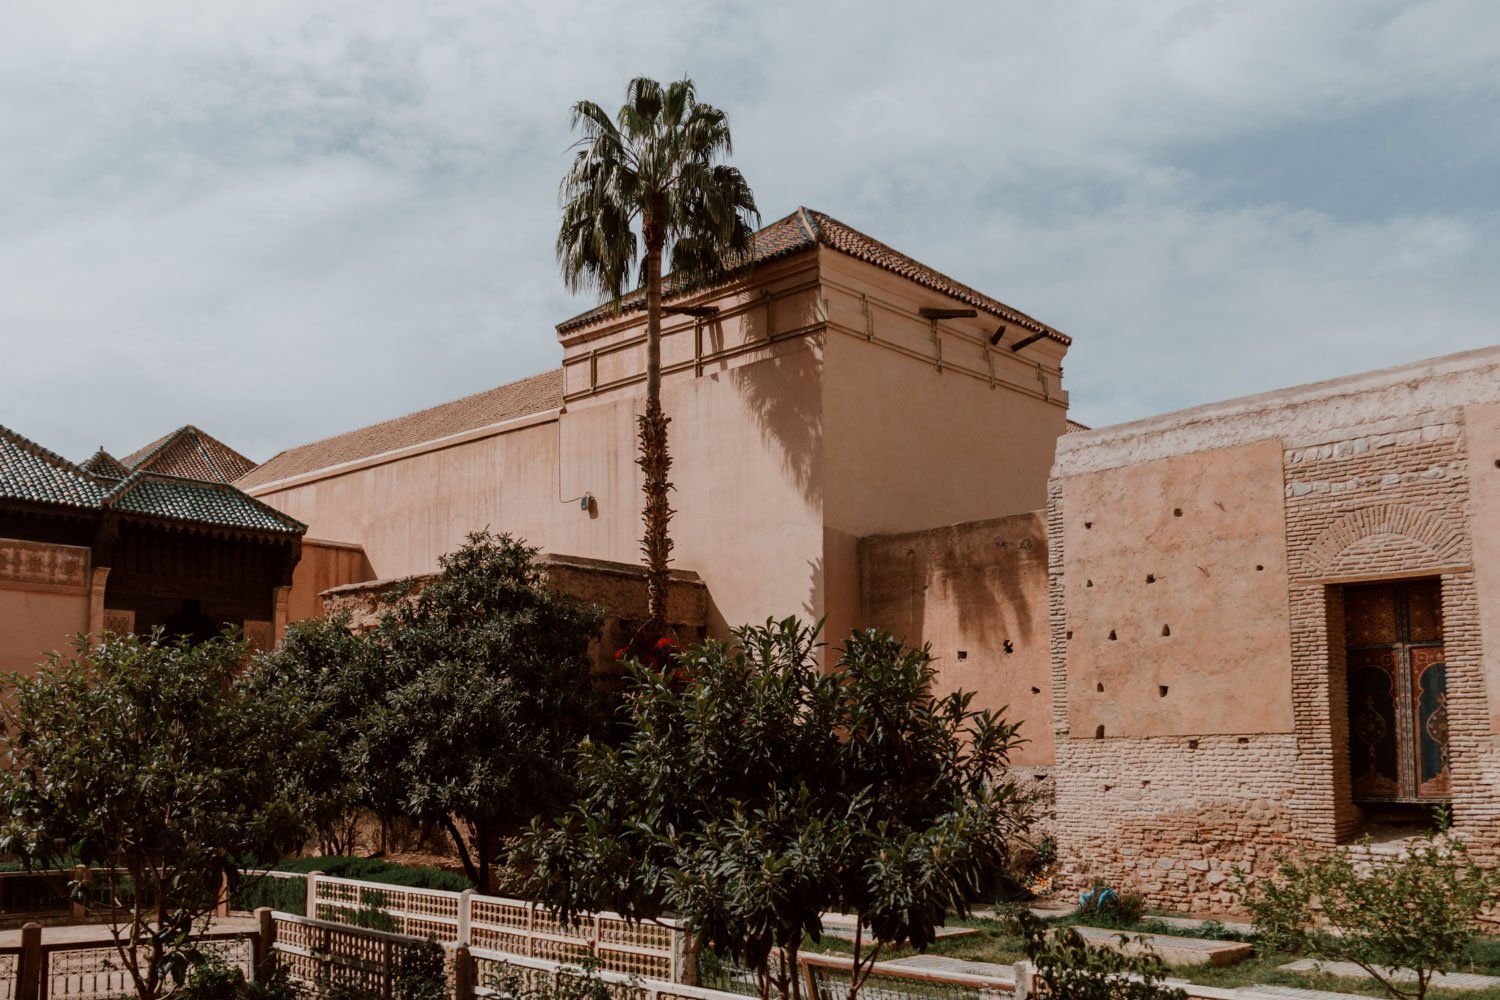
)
(1383, 497)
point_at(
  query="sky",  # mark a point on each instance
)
(283, 219)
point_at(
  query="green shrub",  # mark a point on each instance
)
(1103, 907)
(1415, 910)
(1067, 966)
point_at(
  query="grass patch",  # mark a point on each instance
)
(994, 944)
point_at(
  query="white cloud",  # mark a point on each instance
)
(284, 218)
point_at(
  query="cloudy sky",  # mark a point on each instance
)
(281, 219)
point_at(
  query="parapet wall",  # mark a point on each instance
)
(618, 588)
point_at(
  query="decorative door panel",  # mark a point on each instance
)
(1429, 683)
(1398, 694)
(1374, 754)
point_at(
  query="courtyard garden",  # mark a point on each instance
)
(733, 807)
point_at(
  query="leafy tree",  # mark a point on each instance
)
(654, 168)
(755, 792)
(1067, 966)
(479, 688)
(321, 677)
(150, 760)
(1413, 911)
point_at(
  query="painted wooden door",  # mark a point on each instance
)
(1398, 692)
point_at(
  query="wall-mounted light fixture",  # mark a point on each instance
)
(585, 502)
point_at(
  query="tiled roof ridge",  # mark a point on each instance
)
(141, 455)
(821, 229)
(136, 478)
(45, 454)
(271, 470)
(197, 438)
(414, 413)
(102, 465)
(808, 224)
(930, 277)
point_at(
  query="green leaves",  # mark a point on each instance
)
(153, 759)
(1068, 966)
(754, 792)
(458, 709)
(1414, 909)
(656, 165)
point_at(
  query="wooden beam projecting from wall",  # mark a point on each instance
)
(1026, 342)
(926, 313)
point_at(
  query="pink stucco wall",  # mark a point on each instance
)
(799, 424)
(1176, 596)
(976, 593)
(33, 624)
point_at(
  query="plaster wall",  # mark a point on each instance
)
(1176, 596)
(45, 596)
(919, 435)
(744, 468)
(976, 592)
(324, 565)
(34, 623)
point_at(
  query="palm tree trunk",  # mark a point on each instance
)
(655, 461)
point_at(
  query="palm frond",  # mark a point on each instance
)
(658, 159)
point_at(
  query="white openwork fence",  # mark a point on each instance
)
(93, 969)
(658, 951)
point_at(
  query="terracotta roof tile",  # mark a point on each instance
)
(31, 473)
(506, 402)
(189, 453)
(805, 229)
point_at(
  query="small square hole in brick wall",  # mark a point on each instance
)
(963, 654)
(1243, 740)
(1176, 511)
(1112, 635)
(1088, 583)
(1099, 733)
(1161, 690)
(1259, 567)
(1166, 630)
(1089, 524)
(1099, 687)
(1008, 646)
(1150, 577)
(1036, 690)
(1192, 744)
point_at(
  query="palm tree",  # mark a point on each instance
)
(655, 167)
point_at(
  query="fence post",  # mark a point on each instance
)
(463, 972)
(1024, 984)
(29, 965)
(310, 907)
(809, 976)
(388, 963)
(265, 942)
(684, 957)
(465, 915)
